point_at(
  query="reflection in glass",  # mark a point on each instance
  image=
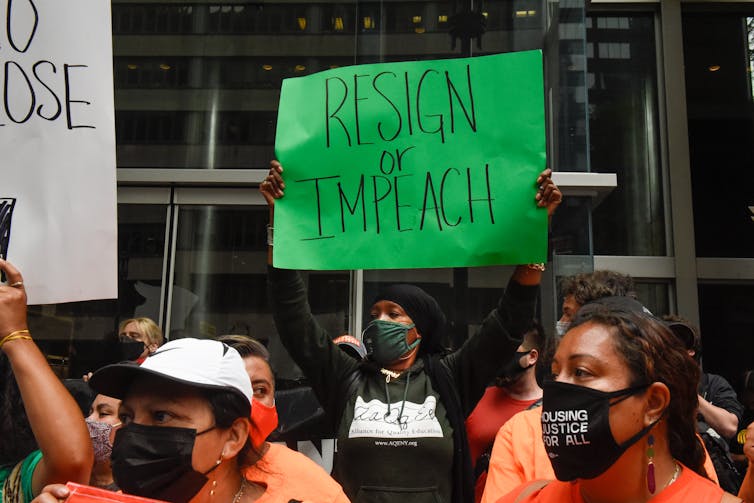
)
(624, 134)
(655, 296)
(718, 61)
(727, 324)
(750, 52)
(80, 337)
(220, 282)
(197, 85)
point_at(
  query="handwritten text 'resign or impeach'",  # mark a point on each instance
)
(407, 165)
(57, 136)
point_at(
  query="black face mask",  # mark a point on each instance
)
(130, 350)
(576, 429)
(512, 369)
(155, 462)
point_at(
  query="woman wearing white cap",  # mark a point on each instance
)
(186, 428)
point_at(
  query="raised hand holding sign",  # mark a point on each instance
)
(406, 165)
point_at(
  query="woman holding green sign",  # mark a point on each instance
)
(399, 415)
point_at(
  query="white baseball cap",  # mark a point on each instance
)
(201, 363)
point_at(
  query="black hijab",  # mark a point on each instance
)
(423, 309)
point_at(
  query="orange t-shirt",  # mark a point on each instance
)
(689, 488)
(288, 475)
(519, 456)
(492, 411)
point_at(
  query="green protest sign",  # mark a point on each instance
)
(412, 165)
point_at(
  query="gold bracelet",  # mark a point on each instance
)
(15, 338)
(18, 334)
(537, 267)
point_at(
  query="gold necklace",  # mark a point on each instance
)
(238, 495)
(675, 475)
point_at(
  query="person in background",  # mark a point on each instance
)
(518, 454)
(746, 492)
(583, 288)
(618, 416)
(310, 482)
(103, 422)
(138, 338)
(719, 409)
(43, 437)
(513, 390)
(82, 393)
(400, 416)
(746, 397)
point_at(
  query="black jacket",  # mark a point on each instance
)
(425, 457)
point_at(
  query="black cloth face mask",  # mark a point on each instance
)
(576, 429)
(512, 370)
(155, 462)
(130, 350)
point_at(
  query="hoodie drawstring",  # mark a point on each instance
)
(387, 394)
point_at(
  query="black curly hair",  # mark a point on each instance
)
(17, 438)
(653, 354)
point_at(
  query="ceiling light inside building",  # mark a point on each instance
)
(417, 19)
(266, 68)
(299, 68)
(132, 66)
(368, 23)
(301, 23)
(164, 66)
(442, 18)
(713, 68)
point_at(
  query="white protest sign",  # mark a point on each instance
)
(58, 221)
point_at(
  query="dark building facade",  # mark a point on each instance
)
(650, 122)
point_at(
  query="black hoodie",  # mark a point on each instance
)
(421, 458)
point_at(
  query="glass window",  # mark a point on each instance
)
(624, 133)
(571, 227)
(718, 54)
(220, 282)
(80, 337)
(727, 327)
(197, 85)
(654, 295)
(566, 69)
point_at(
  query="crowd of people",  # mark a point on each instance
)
(612, 406)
